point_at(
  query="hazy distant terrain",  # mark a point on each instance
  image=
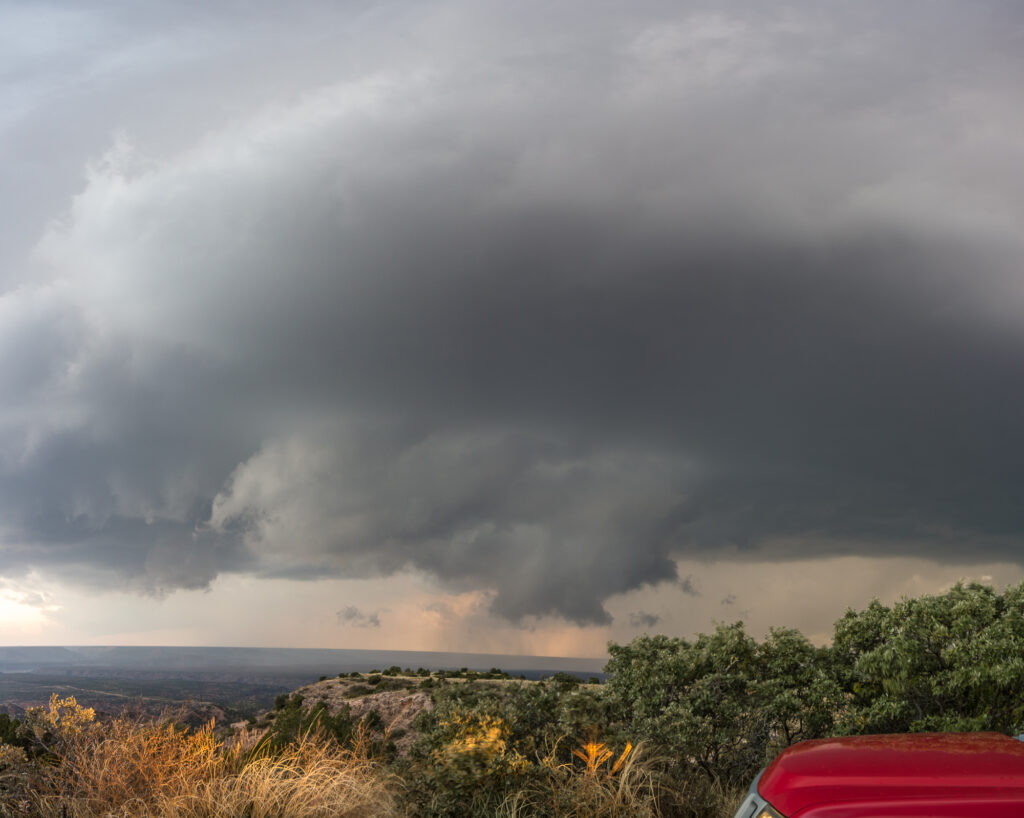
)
(223, 659)
(237, 680)
(111, 692)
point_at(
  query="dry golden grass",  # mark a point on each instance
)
(626, 787)
(311, 779)
(134, 770)
(125, 762)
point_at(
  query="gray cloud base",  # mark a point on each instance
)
(540, 312)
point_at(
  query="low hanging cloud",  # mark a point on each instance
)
(643, 619)
(351, 615)
(543, 526)
(693, 281)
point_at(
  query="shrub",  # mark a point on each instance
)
(725, 701)
(13, 732)
(941, 663)
(293, 721)
(563, 681)
(466, 767)
(14, 775)
(472, 764)
(373, 721)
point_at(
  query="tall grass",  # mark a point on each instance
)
(311, 778)
(134, 770)
(625, 788)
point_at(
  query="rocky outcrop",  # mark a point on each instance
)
(396, 708)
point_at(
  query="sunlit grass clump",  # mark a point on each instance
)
(606, 785)
(134, 769)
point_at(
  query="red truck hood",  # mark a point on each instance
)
(894, 772)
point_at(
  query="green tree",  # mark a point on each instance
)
(797, 692)
(954, 661)
(693, 699)
(724, 700)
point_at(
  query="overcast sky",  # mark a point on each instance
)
(504, 326)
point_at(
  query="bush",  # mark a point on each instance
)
(13, 732)
(373, 721)
(725, 701)
(563, 681)
(936, 663)
(473, 763)
(293, 721)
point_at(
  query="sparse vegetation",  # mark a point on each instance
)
(679, 728)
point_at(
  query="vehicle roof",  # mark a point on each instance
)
(937, 767)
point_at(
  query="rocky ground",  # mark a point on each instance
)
(397, 708)
(397, 699)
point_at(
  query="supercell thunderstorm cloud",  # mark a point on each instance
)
(531, 299)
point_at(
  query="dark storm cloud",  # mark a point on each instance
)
(535, 308)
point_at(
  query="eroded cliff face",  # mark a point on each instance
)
(396, 708)
(397, 700)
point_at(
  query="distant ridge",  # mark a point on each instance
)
(327, 659)
(37, 655)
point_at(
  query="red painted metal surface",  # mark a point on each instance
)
(939, 775)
